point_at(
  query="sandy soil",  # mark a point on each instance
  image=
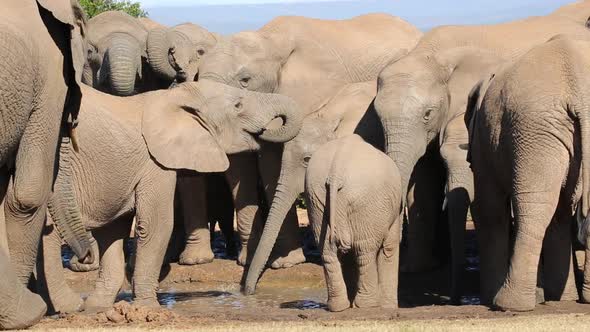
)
(208, 298)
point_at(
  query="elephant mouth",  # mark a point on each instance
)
(181, 76)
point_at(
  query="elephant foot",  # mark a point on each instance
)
(243, 257)
(293, 258)
(338, 304)
(28, 312)
(68, 302)
(585, 295)
(196, 254)
(96, 303)
(147, 303)
(365, 301)
(508, 300)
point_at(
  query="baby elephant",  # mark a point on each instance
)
(361, 188)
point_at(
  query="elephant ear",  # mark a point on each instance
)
(177, 137)
(70, 13)
(473, 105)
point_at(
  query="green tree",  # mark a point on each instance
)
(95, 7)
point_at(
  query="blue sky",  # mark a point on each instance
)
(229, 16)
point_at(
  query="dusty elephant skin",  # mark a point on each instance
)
(312, 61)
(117, 58)
(42, 55)
(130, 149)
(419, 101)
(529, 150)
(353, 193)
(174, 53)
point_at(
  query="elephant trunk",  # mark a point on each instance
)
(63, 208)
(285, 196)
(402, 145)
(159, 44)
(290, 114)
(123, 65)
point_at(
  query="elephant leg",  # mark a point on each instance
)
(535, 201)
(368, 282)
(192, 195)
(388, 266)
(26, 202)
(425, 199)
(221, 209)
(459, 191)
(111, 272)
(155, 218)
(51, 273)
(557, 256)
(242, 177)
(19, 307)
(337, 292)
(491, 214)
(288, 250)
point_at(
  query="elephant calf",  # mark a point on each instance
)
(361, 188)
(130, 151)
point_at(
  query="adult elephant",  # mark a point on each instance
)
(117, 59)
(147, 138)
(174, 53)
(530, 151)
(42, 52)
(311, 61)
(417, 99)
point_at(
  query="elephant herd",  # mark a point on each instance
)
(116, 124)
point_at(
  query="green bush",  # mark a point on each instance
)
(95, 7)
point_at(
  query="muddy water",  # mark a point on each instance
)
(190, 298)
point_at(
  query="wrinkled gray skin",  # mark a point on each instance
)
(311, 61)
(174, 53)
(151, 135)
(416, 101)
(347, 115)
(529, 147)
(38, 63)
(354, 201)
(116, 61)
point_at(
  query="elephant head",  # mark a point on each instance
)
(419, 94)
(196, 124)
(174, 53)
(247, 60)
(118, 42)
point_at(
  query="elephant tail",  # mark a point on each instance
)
(336, 234)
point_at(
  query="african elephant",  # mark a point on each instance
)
(150, 24)
(174, 53)
(117, 60)
(145, 139)
(42, 56)
(354, 198)
(529, 151)
(311, 61)
(417, 99)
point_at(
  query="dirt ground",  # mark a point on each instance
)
(208, 298)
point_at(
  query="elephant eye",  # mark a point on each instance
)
(428, 114)
(306, 160)
(200, 52)
(239, 106)
(244, 82)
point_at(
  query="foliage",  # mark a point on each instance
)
(95, 7)
(301, 202)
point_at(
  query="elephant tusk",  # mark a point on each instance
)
(74, 139)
